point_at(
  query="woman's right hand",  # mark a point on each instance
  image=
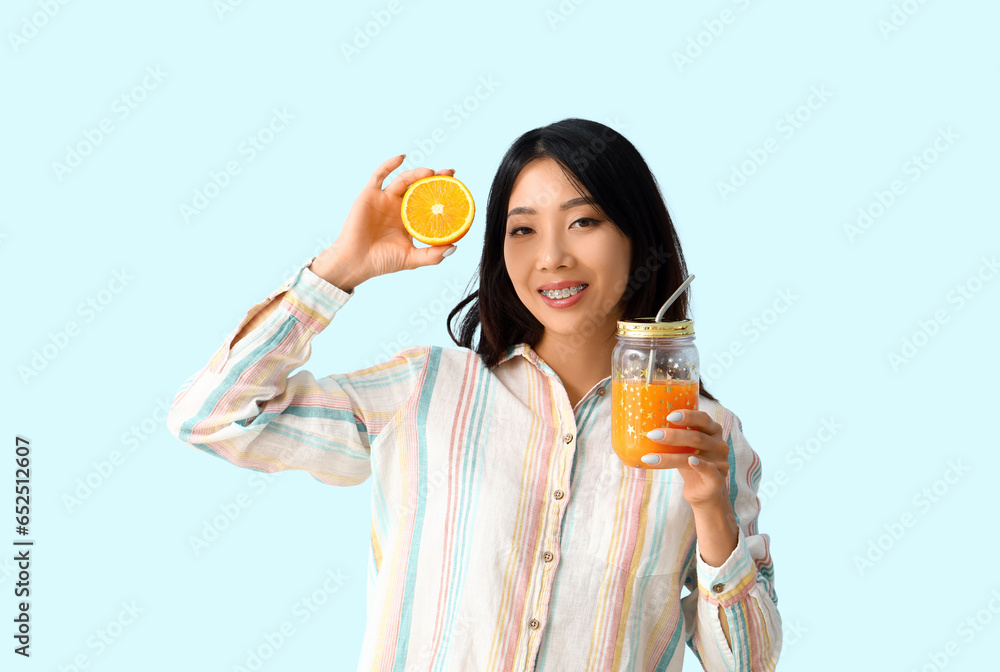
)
(373, 240)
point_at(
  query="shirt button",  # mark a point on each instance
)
(718, 588)
(568, 438)
(601, 391)
(558, 494)
(547, 557)
(533, 624)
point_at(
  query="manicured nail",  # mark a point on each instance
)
(675, 416)
(655, 435)
(448, 251)
(694, 461)
(651, 459)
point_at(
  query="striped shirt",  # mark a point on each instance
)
(505, 532)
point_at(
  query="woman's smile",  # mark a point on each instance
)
(563, 298)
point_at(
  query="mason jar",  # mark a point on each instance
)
(654, 372)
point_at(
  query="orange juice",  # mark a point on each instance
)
(640, 407)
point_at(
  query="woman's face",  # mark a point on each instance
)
(555, 237)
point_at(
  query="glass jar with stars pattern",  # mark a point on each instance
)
(654, 371)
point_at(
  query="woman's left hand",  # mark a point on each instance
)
(704, 482)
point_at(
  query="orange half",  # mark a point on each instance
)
(438, 210)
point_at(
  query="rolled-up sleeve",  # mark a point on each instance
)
(743, 586)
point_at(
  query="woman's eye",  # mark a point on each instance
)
(588, 220)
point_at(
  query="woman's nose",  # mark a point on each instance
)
(554, 253)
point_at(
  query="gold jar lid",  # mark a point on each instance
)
(648, 327)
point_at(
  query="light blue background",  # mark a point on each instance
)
(825, 357)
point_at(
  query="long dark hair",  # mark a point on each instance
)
(597, 158)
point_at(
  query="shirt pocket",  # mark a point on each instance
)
(630, 522)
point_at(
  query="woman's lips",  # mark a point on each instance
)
(564, 303)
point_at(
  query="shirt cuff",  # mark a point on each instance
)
(308, 298)
(733, 580)
(311, 299)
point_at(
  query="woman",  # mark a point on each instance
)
(506, 534)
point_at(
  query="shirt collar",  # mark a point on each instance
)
(526, 351)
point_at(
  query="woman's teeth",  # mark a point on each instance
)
(562, 293)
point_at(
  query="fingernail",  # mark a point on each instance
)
(448, 251)
(675, 416)
(655, 434)
(694, 461)
(651, 459)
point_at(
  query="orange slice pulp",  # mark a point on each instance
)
(437, 210)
